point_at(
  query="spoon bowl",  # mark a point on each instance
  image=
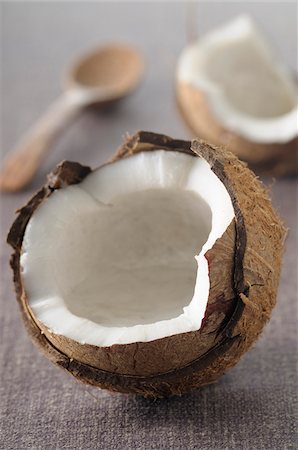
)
(108, 73)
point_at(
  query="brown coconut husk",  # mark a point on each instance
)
(274, 159)
(244, 269)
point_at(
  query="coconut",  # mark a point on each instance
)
(152, 274)
(233, 91)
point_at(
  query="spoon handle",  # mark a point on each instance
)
(22, 163)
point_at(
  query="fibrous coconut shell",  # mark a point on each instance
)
(244, 267)
(274, 159)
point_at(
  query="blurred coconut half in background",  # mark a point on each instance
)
(233, 91)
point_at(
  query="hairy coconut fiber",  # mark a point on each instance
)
(244, 267)
(275, 159)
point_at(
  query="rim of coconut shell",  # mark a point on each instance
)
(273, 159)
(229, 336)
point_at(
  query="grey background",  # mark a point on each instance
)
(253, 407)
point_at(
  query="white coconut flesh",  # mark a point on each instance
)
(120, 257)
(248, 90)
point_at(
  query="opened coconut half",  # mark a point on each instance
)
(233, 91)
(152, 274)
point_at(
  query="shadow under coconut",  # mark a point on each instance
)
(228, 415)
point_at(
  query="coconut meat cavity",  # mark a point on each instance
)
(120, 257)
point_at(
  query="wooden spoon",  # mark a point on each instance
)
(104, 76)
